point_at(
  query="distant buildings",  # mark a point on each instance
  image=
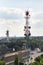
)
(36, 50)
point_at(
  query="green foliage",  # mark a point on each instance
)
(38, 61)
(41, 61)
(33, 43)
(42, 55)
(16, 60)
(34, 63)
(17, 43)
(21, 63)
(2, 63)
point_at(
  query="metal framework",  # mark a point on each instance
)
(27, 27)
(7, 34)
(27, 34)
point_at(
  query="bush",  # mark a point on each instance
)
(16, 60)
(2, 63)
(21, 63)
(37, 59)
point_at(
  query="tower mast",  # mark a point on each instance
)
(27, 34)
(7, 34)
(27, 27)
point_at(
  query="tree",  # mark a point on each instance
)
(16, 60)
(20, 63)
(2, 62)
(37, 59)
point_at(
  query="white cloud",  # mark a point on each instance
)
(16, 27)
(36, 16)
(9, 10)
(36, 21)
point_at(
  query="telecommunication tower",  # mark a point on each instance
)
(27, 27)
(7, 34)
(27, 34)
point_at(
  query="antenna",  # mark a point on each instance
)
(27, 34)
(7, 34)
(27, 27)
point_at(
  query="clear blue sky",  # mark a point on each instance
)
(12, 13)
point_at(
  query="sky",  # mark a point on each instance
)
(12, 17)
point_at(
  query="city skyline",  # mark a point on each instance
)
(12, 17)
